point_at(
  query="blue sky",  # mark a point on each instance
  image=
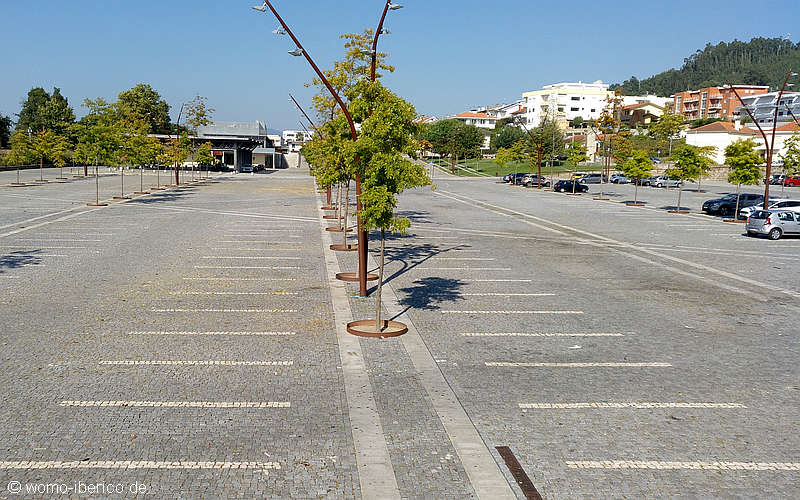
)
(450, 55)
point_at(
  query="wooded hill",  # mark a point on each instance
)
(761, 61)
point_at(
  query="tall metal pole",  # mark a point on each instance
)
(313, 126)
(768, 145)
(362, 244)
(177, 135)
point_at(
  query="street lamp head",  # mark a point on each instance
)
(279, 31)
(296, 52)
(395, 6)
(260, 8)
(384, 31)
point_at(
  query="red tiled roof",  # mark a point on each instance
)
(470, 114)
(721, 127)
(789, 127)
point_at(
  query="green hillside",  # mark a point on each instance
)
(761, 61)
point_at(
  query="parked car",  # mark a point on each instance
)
(793, 205)
(664, 181)
(532, 180)
(593, 179)
(777, 179)
(618, 179)
(773, 223)
(246, 169)
(791, 181)
(727, 204)
(576, 175)
(656, 160)
(567, 187)
(515, 178)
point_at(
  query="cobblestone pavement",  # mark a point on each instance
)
(183, 345)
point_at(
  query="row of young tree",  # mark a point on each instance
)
(381, 154)
(110, 134)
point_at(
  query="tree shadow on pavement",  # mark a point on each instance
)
(415, 216)
(162, 197)
(428, 293)
(19, 259)
(411, 256)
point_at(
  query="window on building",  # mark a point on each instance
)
(574, 109)
(576, 98)
(593, 110)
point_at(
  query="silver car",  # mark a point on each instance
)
(793, 205)
(664, 181)
(773, 223)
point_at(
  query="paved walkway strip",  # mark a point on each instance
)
(258, 334)
(511, 334)
(512, 312)
(196, 363)
(479, 464)
(638, 405)
(639, 464)
(178, 404)
(135, 464)
(503, 364)
(375, 470)
(225, 310)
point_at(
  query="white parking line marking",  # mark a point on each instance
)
(233, 293)
(237, 279)
(577, 365)
(247, 267)
(639, 405)
(135, 464)
(57, 239)
(36, 247)
(258, 241)
(263, 230)
(226, 310)
(508, 294)
(179, 404)
(257, 249)
(250, 257)
(197, 363)
(233, 334)
(512, 312)
(640, 464)
(511, 334)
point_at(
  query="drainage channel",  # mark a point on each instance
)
(520, 476)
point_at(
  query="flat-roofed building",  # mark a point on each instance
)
(713, 102)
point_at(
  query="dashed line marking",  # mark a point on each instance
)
(135, 464)
(256, 249)
(512, 334)
(196, 363)
(503, 281)
(226, 310)
(464, 269)
(640, 464)
(636, 405)
(179, 404)
(504, 364)
(233, 334)
(465, 258)
(512, 312)
(58, 239)
(40, 246)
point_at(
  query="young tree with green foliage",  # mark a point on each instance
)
(453, 138)
(791, 157)
(513, 154)
(100, 134)
(43, 111)
(666, 129)
(46, 145)
(637, 166)
(198, 114)
(689, 164)
(204, 155)
(743, 159)
(381, 152)
(20, 151)
(140, 149)
(576, 154)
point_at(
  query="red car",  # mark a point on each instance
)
(791, 181)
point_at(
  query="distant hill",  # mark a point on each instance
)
(761, 61)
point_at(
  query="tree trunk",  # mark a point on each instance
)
(346, 208)
(41, 168)
(339, 211)
(680, 190)
(378, 322)
(636, 191)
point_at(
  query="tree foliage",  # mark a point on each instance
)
(690, 162)
(5, 131)
(451, 138)
(506, 137)
(43, 111)
(45, 145)
(791, 155)
(576, 153)
(547, 137)
(100, 134)
(761, 61)
(143, 103)
(666, 128)
(638, 165)
(514, 153)
(743, 159)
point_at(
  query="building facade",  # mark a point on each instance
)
(480, 120)
(566, 101)
(762, 106)
(233, 143)
(721, 134)
(713, 102)
(292, 140)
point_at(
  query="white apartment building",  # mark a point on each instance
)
(566, 101)
(762, 106)
(630, 100)
(480, 120)
(293, 140)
